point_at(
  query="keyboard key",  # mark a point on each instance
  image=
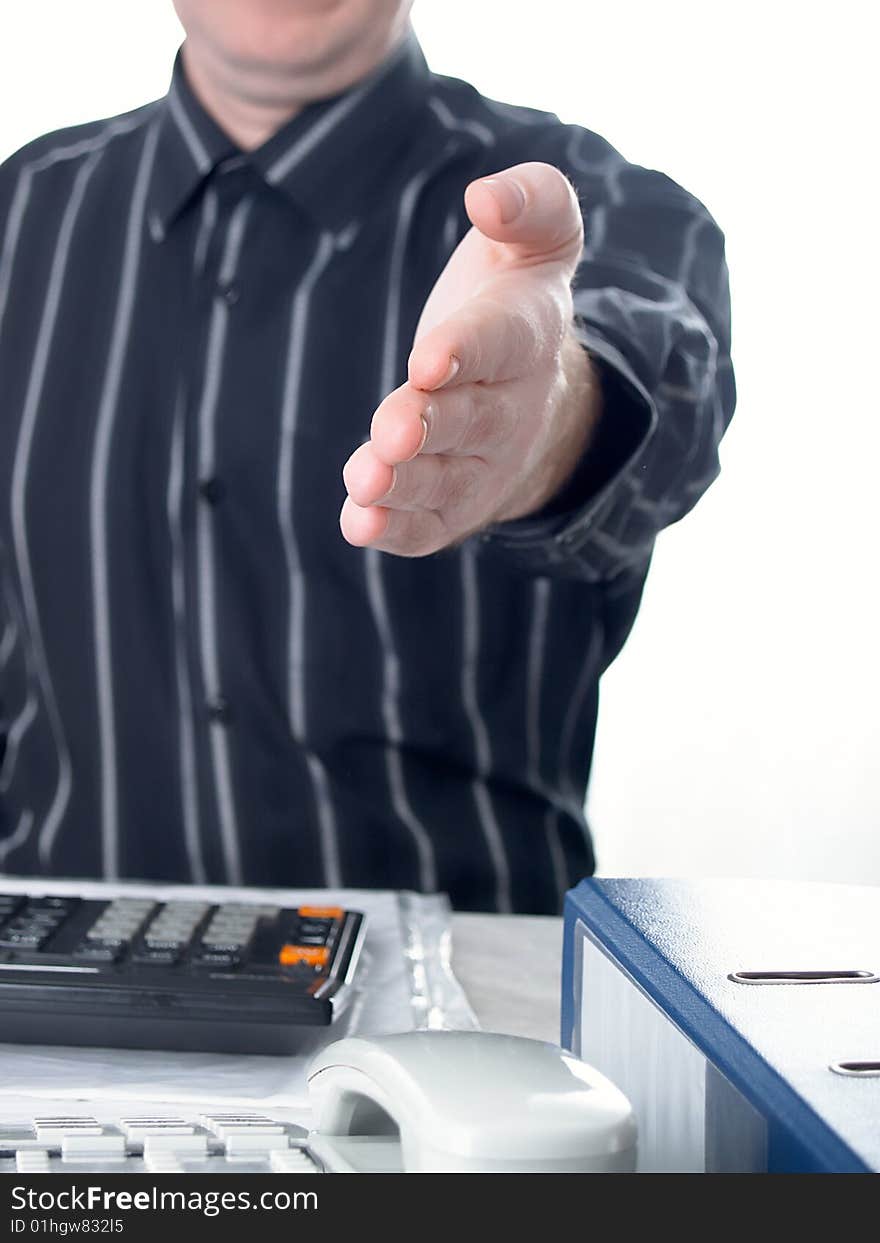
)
(225, 1130)
(186, 1147)
(136, 1129)
(80, 1147)
(162, 1163)
(32, 1162)
(54, 1133)
(57, 1119)
(292, 1161)
(247, 1143)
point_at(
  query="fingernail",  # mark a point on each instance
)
(451, 371)
(383, 499)
(508, 194)
(427, 417)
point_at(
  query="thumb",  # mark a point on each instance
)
(531, 208)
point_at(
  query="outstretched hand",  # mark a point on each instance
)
(499, 403)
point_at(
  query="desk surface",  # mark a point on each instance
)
(510, 968)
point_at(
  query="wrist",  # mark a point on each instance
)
(575, 411)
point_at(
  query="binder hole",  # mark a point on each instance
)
(857, 1070)
(803, 977)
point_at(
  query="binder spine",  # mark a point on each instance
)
(797, 1139)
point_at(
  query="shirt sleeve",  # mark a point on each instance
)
(651, 306)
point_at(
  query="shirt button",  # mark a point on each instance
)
(229, 292)
(219, 711)
(212, 490)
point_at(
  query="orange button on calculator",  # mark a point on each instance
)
(320, 912)
(314, 955)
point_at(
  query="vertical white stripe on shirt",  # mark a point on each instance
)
(534, 678)
(557, 854)
(17, 210)
(206, 552)
(471, 628)
(18, 836)
(187, 131)
(40, 676)
(99, 525)
(482, 746)
(7, 643)
(17, 728)
(534, 690)
(14, 734)
(189, 790)
(21, 196)
(375, 585)
(207, 223)
(20, 469)
(286, 163)
(296, 642)
(586, 679)
(12, 628)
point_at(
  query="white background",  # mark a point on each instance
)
(739, 730)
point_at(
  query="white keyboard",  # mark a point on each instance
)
(212, 1143)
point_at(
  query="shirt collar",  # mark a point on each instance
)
(333, 159)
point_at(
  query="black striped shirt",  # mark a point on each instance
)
(199, 679)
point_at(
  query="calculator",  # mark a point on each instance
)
(130, 972)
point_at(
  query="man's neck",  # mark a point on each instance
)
(250, 107)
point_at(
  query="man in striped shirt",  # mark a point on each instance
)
(314, 253)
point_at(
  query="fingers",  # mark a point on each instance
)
(470, 419)
(494, 338)
(415, 534)
(432, 482)
(532, 208)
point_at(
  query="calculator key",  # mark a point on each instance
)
(156, 957)
(313, 955)
(22, 940)
(39, 916)
(98, 953)
(321, 912)
(98, 936)
(208, 958)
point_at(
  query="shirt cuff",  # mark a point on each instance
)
(559, 530)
